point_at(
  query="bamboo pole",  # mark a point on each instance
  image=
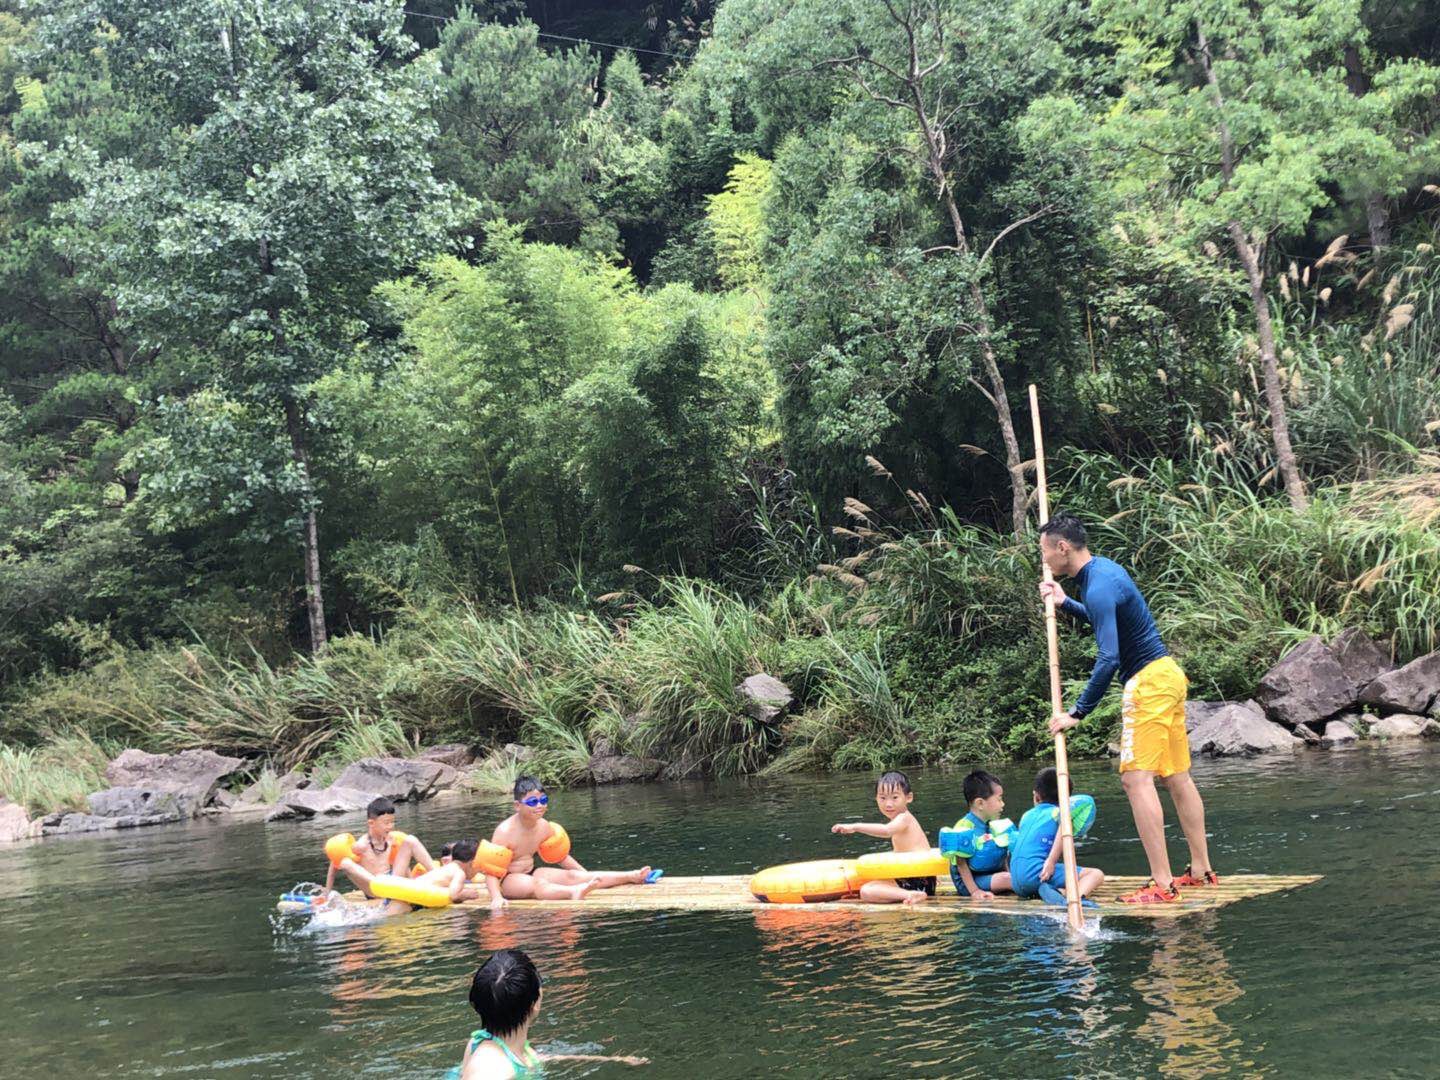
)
(1074, 916)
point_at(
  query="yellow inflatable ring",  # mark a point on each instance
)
(889, 865)
(806, 882)
(409, 892)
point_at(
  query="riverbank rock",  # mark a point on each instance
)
(1338, 733)
(1307, 686)
(1410, 689)
(149, 789)
(15, 823)
(1360, 658)
(765, 697)
(195, 772)
(1235, 729)
(1402, 726)
(312, 801)
(623, 769)
(456, 755)
(1306, 734)
(397, 779)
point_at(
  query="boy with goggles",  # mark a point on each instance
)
(508, 859)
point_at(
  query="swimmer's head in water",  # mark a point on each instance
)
(983, 788)
(1047, 787)
(506, 992)
(530, 797)
(380, 815)
(892, 793)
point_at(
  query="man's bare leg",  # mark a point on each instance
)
(530, 887)
(1190, 809)
(604, 879)
(1139, 787)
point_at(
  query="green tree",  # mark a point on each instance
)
(294, 178)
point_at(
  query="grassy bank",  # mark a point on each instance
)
(919, 642)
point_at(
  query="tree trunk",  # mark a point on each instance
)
(1377, 213)
(300, 453)
(1274, 392)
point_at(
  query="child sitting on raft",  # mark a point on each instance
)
(380, 851)
(977, 866)
(509, 859)
(893, 796)
(1035, 852)
(506, 993)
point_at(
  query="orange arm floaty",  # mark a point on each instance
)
(396, 839)
(339, 848)
(555, 847)
(493, 859)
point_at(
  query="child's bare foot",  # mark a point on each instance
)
(914, 897)
(579, 892)
(637, 877)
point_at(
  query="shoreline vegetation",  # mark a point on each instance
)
(334, 423)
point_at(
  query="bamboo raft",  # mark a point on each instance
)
(732, 893)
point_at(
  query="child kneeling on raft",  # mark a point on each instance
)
(893, 796)
(978, 860)
(1035, 852)
(508, 860)
(506, 993)
(380, 851)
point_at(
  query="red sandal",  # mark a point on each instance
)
(1152, 893)
(1189, 880)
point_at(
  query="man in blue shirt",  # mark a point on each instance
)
(1153, 742)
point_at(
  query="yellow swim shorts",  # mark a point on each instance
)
(1152, 736)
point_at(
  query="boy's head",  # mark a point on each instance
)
(892, 794)
(530, 798)
(1064, 544)
(380, 817)
(1047, 787)
(462, 852)
(984, 795)
(447, 852)
(506, 992)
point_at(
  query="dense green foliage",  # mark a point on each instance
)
(371, 372)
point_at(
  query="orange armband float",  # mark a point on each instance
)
(555, 847)
(493, 860)
(397, 838)
(339, 848)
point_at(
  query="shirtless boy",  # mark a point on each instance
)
(522, 834)
(378, 851)
(893, 796)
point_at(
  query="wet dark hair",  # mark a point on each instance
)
(504, 991)
(526, 784)
(893, 779)
(1066, 527)
(1047, 786)
(447, 849)
(379, 808)
(463, 850)
(980, 785)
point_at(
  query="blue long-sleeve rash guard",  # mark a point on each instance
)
(1127, 636)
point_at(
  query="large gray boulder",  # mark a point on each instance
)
(311, 801)
(1402, 726)
(196, 772)
(1337, 733)
(15, 823)
(1410, 689)
(1237, 729)
(623, 769)
(144, 802)
(1307, 686)
(1360, 658)
(765, 697)
(456, 755)
(397, 779)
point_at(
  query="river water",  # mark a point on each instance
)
(154, 953)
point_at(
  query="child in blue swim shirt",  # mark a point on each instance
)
(977, 858)
(1035, 868)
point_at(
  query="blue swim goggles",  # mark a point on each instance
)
(537, 800)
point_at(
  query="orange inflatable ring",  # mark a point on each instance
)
(889, 865)
(492, 860)
(339, 848)
(555, 847)
(806, 882)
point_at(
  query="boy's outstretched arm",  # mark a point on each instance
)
(882, 832)
(330, 878)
